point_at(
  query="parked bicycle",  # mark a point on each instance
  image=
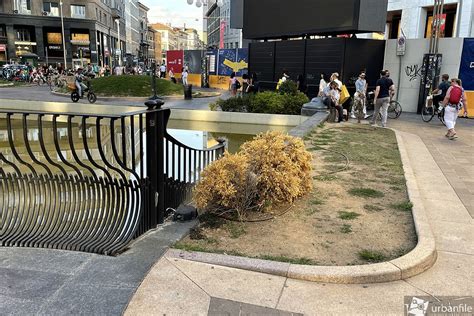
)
(430, 110)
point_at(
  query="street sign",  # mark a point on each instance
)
(401, 44)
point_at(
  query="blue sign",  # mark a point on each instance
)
(242, 61)
(227, 62)
(466, 69)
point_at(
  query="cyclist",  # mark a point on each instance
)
(443, 88)
(78, 81)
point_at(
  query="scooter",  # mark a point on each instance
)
(91, 97)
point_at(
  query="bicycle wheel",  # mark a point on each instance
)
(394, 110)
(91, 97)
(427, 113)
(441, 116)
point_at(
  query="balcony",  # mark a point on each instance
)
(116, 13)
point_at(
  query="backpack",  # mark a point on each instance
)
(237, 84)
(455, 95)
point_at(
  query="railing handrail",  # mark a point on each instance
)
(78, 114)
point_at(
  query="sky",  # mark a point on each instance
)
(176, 12)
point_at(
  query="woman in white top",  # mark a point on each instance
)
(184, 77)
(322, 85)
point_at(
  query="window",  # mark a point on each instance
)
(24, 6)
(52, 8)
(3, 32)
(446, 21)
(78, 11)
(23, 35)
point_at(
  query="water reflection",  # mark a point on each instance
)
(205, 134)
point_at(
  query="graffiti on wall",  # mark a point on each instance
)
(414, 72)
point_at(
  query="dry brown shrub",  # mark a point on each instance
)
(282, 165)
(271, 169)
(227, 185)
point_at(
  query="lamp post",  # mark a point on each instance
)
(117, 20)
(64, 39)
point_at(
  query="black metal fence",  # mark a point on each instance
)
(90, 182)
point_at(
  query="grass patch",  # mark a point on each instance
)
(326, 177)
(348, 215)
(346, 229)
(133, 86)
(366, 193)
(316, 201)
(371, 256)
(235, 230)
(372, 208)
(403, 206)
(311, 211)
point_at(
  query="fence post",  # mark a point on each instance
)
(155, 160)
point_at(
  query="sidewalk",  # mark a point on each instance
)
(179, 287)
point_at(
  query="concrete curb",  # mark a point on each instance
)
(421, 258)
(132, 99)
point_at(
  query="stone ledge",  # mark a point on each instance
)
(421, 258)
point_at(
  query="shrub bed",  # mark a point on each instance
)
(287, 100)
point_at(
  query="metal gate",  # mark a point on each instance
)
(90, 182)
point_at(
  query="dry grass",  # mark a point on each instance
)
(316, 229)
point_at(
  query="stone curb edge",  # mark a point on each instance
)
(132, 99)
(421, 258)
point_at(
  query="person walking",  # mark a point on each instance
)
(440, 93)
(383, 92)
(184, 77)
(360, 98)
(163, 70)
(233, 84)
(453, 102)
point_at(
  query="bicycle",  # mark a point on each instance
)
(430, 110)
(394, 108)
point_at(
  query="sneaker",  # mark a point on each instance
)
(353, 116)
(366, 116)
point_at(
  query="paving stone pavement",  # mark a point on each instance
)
(55, 282)
(180, 287)
(455, 158)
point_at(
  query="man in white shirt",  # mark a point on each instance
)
(163, 71)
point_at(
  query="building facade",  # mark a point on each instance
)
(218, 27)
(91, 31)
(415, 17)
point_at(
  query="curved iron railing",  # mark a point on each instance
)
(89, 182)
(183, 167)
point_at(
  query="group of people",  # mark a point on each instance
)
(249, 84)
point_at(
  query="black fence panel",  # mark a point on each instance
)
(289, 56)
(262, 60)
(323, 56)
(362, 54)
